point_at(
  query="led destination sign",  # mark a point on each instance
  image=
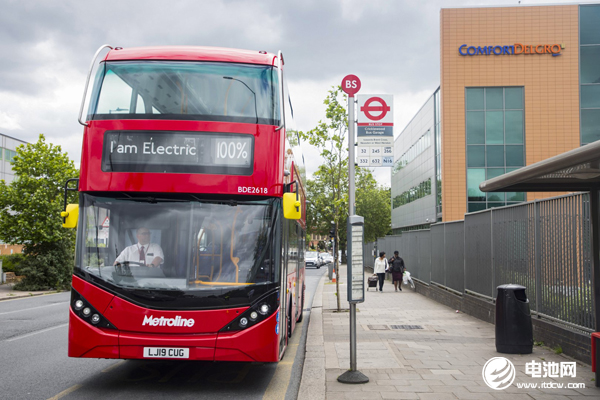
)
(515, 49)
(178, 152)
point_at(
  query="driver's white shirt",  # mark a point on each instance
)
(132, 253)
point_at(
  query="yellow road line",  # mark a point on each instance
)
(114, 366)
(281, 378)
(65, 392)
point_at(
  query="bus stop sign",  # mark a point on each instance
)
(351, 85)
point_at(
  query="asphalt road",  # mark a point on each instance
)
(34, 362)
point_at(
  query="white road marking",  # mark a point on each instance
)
(36, 332)
(33, 308)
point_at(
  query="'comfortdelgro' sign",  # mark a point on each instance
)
(514, 49)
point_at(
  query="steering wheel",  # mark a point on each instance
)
(131, 263)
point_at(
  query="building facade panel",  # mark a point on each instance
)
(413, 173)
(550, 83)
(8, 147)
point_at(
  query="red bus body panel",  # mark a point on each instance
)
(268, 161)
(202, 347)
(257, 343)
(129, 318)
(98, 298)
(260, 342)
(191, 53)
(86, 340)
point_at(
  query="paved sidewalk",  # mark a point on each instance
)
(7, 292)
(443, 360)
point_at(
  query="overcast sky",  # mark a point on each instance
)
(392, 46)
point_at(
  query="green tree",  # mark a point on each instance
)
(30, 209)
(328, 194)
(373, 202)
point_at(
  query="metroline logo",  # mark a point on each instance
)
(162, 321)
(515, 49)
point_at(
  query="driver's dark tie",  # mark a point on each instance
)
(142, 255)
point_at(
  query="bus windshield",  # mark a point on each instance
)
(185, 90)
(177, 243)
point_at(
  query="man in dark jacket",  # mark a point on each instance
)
(397, 269)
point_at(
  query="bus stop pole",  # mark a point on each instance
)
(352, 375)
(351, 211)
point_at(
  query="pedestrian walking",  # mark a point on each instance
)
(397, 268)
(380, 268)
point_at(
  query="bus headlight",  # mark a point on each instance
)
(84, 310)
(257, 313)
(263, 309)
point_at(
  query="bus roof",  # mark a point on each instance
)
(191, 53)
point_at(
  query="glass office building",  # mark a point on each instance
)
(518, 85)
(8, 147)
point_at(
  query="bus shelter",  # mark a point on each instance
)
(577, 170)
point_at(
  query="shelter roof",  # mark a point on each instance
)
(573, 171)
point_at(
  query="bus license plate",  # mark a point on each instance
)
(166, 352)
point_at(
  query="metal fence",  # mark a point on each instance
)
(543, 245)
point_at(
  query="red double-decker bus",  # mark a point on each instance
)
(190, 222)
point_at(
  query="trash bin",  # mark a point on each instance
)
(514, 332)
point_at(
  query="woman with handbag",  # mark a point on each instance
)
(397, 268)
(380, 268)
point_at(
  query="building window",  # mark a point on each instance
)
(495, 131)
(9, 155)
(419, 147)
(414, 193)
(589, 39)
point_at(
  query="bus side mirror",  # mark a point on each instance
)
(70, 216)
(291, 206)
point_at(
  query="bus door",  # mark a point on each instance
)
(283, 296)
(292, 269)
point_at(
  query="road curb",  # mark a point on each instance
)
(22, 296)
(312, 384)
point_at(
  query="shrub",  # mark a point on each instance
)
(47, 266)
(12, 263)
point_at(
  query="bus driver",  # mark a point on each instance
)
(143, 252)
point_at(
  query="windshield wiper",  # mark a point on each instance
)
(247, 87)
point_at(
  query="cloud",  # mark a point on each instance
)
(9, 122)
(393, 46)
